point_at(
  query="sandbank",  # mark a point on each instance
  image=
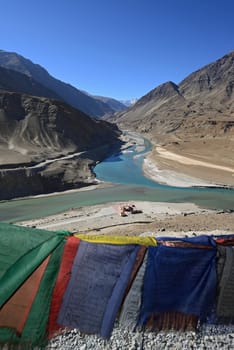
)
(170, 177)
(176, 170)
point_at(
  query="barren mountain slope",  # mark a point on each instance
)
(38, 128)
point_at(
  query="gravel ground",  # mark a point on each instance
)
(208, 337)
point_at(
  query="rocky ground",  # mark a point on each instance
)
(154, 217)
(207, 338)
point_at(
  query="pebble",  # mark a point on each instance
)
(209, 337)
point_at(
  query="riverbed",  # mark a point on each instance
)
(26, 209)
(126, 181)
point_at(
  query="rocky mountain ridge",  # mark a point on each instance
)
(88, 104)
(11, 80)
(206, 93)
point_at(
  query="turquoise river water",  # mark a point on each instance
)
(125, 172)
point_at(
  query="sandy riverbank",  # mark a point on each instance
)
(172, 168)
(170, 177)
(179, 165)
(189, 172)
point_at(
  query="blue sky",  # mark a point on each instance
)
(118, 48)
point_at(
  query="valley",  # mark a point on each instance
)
(47, 145)
(194, 119)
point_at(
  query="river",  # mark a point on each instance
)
(129, 183)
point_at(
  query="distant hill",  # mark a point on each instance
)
(129, 103)
(66, 92)
(114, 104)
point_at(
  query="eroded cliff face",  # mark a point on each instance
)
(33, 130)
(53, 178)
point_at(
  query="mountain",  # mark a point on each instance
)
(205, 93)
(66, 92)
(114, 104)
(34, 132)
(39, 127)
(129, 103)
(11, 80)
(194, 118)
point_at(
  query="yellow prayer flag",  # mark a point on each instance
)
(146, 241)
